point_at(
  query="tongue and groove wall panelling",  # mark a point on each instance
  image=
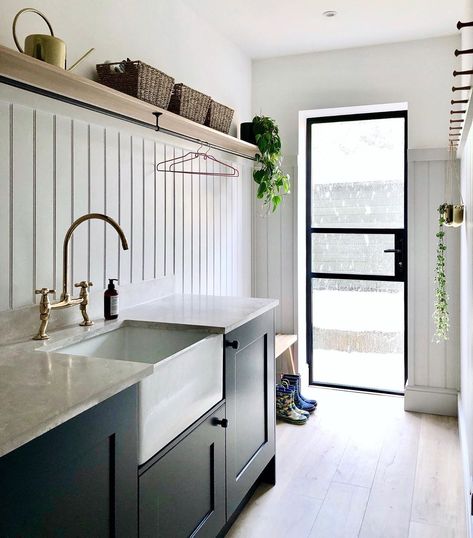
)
(59, 162)
(61, 206)
(22, 267)
(96, 190)
(43, 156)
(6, 118)
(111, 202)
(80, 201)
(274, 256)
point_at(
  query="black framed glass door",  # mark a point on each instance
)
(357, 251)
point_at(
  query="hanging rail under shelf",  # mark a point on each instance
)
(24, 72)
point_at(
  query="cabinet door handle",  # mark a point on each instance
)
(393, 250)
(220, 422)
(235, 344)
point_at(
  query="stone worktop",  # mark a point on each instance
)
(41, 389)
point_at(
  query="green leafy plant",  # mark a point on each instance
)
(441, 316)
(272, 182)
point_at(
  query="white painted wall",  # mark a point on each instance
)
(465, 400)
(418, 73)
(166, 34)
(465, 411)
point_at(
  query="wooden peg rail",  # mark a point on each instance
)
(458, 101)
(457, 111)
(458, 88)
(466, 51)
(461, 25)
(457, 121)
(460, 73)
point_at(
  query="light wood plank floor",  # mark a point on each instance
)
(361, 467)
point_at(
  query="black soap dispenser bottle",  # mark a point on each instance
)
(110, 300)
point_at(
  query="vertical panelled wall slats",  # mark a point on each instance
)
(432, 364)
(54, 169)
(274, 255)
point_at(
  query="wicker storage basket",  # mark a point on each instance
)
(189, 103)
(139, 80)
(219, 117)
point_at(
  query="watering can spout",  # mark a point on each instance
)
(83, 57)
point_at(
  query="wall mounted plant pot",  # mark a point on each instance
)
(448, 214)
(458, 214)
(453, 215)
(246, 132)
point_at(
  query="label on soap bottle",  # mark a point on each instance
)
(114, 305)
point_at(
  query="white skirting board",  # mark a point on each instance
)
(436, 401)
(467, 479)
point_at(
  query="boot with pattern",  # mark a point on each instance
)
(285, 408)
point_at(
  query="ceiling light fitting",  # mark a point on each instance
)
(329, 14)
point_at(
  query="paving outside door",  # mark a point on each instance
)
(357, 251)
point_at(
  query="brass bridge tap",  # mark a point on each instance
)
(45, 306)
(84, 286)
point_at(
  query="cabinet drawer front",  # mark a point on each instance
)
(249, 386)
(183, 493)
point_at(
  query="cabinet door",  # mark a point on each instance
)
(79, 479)
(183, 493)
(249, 393)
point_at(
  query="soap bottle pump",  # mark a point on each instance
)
(110, 300)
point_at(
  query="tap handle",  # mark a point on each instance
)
(83, 284)
(44, 291)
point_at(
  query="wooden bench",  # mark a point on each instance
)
(283, 344)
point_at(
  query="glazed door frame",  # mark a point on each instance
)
(400, 246)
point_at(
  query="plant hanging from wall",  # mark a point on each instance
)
(441, 316)
(272, 182)
(450, 214)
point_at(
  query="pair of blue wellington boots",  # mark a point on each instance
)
(291, 406)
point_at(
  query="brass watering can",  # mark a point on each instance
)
(48, 48)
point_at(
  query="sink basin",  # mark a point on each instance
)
(187, 379)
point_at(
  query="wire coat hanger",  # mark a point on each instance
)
(169, 165)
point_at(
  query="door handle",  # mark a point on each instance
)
(235, 344)
(393, 250)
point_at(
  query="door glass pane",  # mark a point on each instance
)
(358, 174)
(361, 254)
(358, 333)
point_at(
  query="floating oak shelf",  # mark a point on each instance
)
(39, 77)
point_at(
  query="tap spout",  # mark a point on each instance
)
(65, 252)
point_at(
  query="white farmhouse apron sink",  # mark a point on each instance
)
(187, 379)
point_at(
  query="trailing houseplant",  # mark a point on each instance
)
(441, 316)
(272, 182)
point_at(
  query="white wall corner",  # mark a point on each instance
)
(432, 400)
(467, 478)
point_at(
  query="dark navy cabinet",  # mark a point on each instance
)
(196, 486)
(249, 393)
(78, 479)
(182, 490)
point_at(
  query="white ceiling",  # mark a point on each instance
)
(267, 28)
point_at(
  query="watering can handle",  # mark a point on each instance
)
(31, 10)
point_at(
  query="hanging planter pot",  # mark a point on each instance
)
(449, 215)
(453, 214)
(458, 214)
(446, 211)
